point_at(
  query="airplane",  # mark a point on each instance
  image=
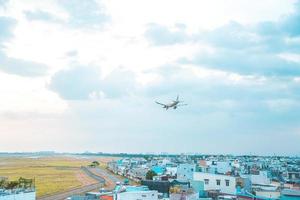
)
(173, 104)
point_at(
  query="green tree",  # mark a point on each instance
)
(12, 185)
(94, 164)
(2, 183)
(150, 174)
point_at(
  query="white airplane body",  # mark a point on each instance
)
(173, 104)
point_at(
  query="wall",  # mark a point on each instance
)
(141, 195)
(212, 183)
(185, 171)
(262, 178)
(223, 167)
(20, 196)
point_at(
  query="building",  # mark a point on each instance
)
(223, 167)
(20, 195)
(140, 195)
(224, 184)
(162, 187)
(134, 193)
(288, 194)
(22, 189)
(261, 178)
(185, 171)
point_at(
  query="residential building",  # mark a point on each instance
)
(225, 184)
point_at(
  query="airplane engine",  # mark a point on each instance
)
(175, 107)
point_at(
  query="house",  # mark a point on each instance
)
(159, 170)
(135, 192)
(224, 184)
(289, 194)
(23, 189)
(223, 167)
(183, 193)
(261, 178)
(17, 195)
(161, 186)
(185, 171)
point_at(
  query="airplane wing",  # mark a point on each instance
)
(182, 104)
(160, 103)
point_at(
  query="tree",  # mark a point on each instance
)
(2, 183)
(150, 174)
(94, 164)
(11, 185)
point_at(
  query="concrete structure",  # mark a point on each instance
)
(140, 195)
(17, 196)
(184, 196)
(185, 171)
(223, 167)
(261, 178)
(225, 184)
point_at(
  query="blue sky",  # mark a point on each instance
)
(84, 76)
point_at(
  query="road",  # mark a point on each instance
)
(64, 195)
(81, 190)
(104, 173)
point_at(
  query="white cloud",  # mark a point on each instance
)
(118, 103)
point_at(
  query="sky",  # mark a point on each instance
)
(81, 76)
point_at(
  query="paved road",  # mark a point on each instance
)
(105, 173)
(64, 195)
(81, 190)
(92, 174)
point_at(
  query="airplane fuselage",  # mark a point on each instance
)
(172, 104)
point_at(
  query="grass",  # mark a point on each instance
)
(51, 174)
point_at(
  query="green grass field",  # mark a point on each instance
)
(51, 174)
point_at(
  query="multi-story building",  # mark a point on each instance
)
(224, 184)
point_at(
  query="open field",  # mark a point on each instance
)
(51, 174)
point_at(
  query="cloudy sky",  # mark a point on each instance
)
(83, 76)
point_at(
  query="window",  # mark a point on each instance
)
(206, 181)
(218, 182)
(227, 182)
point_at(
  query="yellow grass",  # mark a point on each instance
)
(52, 174)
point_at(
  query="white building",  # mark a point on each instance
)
(172, 171)
(226, 184)
(138, 195)
(185, 171)
(18, 196)
(261, 178)
(223, 167)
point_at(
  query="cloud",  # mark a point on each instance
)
(14, 65)
(6, 26)
(245, 49)
(161, 35)
(85, 14)
(82, 83)
(76, 83)
(119, 82)
(252, 63)
(290, 24)
(75, 14)
(3, 3)
(253, 49)
(21, 67)
(40, 15)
